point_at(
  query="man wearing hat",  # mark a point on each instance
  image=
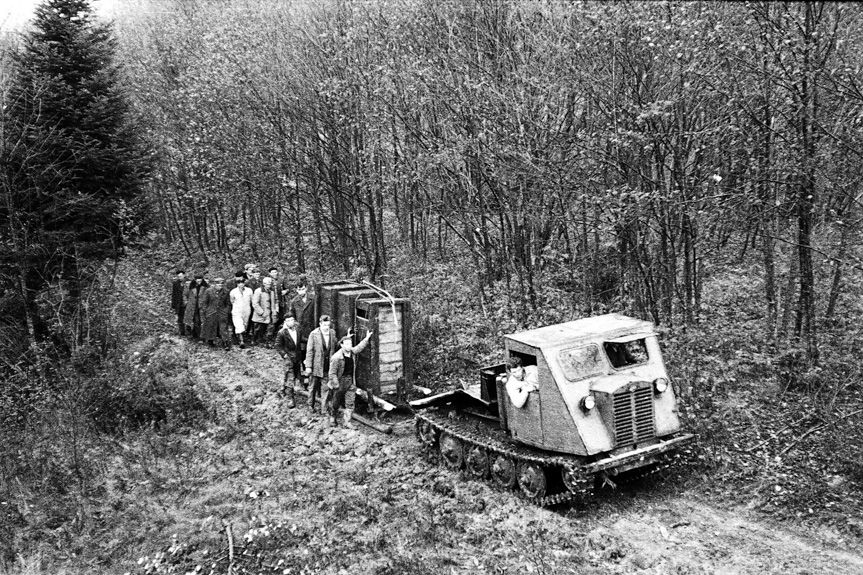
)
(321, 345)
(342, 376)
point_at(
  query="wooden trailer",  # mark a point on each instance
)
(385, 366)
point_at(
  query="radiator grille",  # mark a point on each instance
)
(633, 416)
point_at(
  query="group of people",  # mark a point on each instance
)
(250, 310)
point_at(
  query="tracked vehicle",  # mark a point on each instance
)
(602, 406)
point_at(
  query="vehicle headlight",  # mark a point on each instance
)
(587, 402)
(660, 384)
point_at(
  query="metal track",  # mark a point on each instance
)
(473, 432)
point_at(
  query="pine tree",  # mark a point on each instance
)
(73, 165)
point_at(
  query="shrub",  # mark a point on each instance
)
(151, 386)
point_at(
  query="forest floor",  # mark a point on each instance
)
(256, 487)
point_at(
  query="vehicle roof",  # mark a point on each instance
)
(603, 327)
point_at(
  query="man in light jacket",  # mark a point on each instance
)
(265, 302)
(321, 345)
(342, 375)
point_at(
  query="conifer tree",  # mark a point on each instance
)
(73, 165)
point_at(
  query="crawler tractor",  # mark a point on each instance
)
(603, 406)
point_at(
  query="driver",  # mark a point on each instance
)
(522, 380)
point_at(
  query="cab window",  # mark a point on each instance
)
(581, 362)
(624, 354)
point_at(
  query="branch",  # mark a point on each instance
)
(815, 428)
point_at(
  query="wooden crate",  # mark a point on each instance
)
(387, 366)
(336, 299)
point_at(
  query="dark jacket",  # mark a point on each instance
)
(287, 348)
(193, 302)
(215, 312)
(338, 379)
(253, 283)
(305, 314)
(178, 294)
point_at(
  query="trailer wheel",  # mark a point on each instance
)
(427, 433)
(504, 472)
(477, 462)
(531, 480)
(451, 450)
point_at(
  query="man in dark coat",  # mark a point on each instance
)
(303, 308)
(281, 285)
(253, 282)
(216, 314)
(178, 299)
(226, 325)
(288, 346)
(197, 287)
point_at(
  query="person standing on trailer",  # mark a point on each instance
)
(321, 345)
(241, 309)
(178, 299)
(342, 376)
(288, 346)
(303, 308)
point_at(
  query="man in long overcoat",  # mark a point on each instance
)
(192, 315)
(303, 307)
(321, 346)
(178, 299)
(216, 311)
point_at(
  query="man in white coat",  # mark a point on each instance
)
(241, 309)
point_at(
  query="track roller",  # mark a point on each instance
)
(477, 462)
(451, 450)
(504, 472)
(532, 480)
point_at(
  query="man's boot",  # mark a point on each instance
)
(348, 414)
(289, 394)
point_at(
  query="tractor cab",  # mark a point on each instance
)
(602, 387)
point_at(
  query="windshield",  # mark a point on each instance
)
(581, 362)
(624, 354)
